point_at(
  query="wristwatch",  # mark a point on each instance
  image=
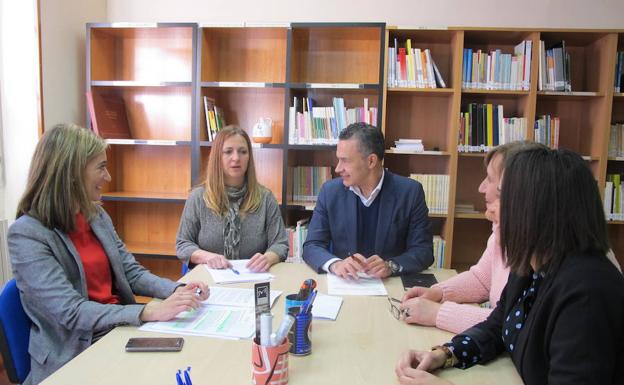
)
(394, 267)
(450, 358)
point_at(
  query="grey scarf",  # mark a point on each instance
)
(232, 224)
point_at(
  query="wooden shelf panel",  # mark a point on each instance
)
(333, 54)
(243, 54)
(158, 113)
(146, 227)
(144, 196)
(494, 92)
(242, 85)
(422, 153)
(244, 106)
(616, 158)
(615, 222)
(426, 116)
(570, 95)
(133, 83)
(312, 147)
(423, 90)
(470, 215)
(148, 142)
(142, 54)
(150, 169)
(335, 86)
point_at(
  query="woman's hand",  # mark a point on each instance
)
(421, 311)
(183, 298)
(417, 359)
(431, 293)
(212, 260)
(420, 377)
(262, 262)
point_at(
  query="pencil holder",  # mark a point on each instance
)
(299, 334)
(269, 364)
(292, 301)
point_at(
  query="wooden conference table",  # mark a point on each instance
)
(361, 347)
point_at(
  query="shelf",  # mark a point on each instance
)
(494, 92)
(308, 206)
(138, 83)
(336, 86)
(423, 90)
(575, 95)
(618, 95)
(312, 147)
(150, 248)
(128, 196)
(149, 142)
(616, 158)
(242, 85)
(434, 153)
(438, 215)
(472, 154)
(205, 143)
(470, 215)
(615, 222)
(590, 158)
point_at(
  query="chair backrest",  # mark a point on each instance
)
(14, 334)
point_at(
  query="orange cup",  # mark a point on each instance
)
(269, 364)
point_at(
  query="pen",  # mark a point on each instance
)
(178, 378)
(308, 303)
(234, 271)
(187, 376)
(198, 291)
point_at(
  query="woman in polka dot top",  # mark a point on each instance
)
(561, 315)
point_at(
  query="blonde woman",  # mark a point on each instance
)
(76, 279)
(231, 216)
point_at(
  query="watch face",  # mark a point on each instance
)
(394, 268)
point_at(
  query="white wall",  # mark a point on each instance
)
(436, 13)
(19, 95)
(63, 57)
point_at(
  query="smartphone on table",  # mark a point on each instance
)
(155, 344)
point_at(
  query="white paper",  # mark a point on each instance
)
(209, 320)
(244, 274)
(326, 306)
(365, 285)
(239, 297)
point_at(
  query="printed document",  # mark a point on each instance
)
(238, 273)
(365, 285)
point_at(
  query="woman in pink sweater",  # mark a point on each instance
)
(450, 305)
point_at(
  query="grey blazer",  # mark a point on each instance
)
(51, 281)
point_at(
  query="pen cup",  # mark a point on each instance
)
(292, 301)
(299, 334)
(269, 364)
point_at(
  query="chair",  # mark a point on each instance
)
(14, 334)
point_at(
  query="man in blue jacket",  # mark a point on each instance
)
(368, 220)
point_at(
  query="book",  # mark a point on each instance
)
(108, 115)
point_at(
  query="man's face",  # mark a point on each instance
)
(353, 167)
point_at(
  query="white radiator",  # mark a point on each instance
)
(5, 263)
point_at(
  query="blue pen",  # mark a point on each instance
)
(178, 378)
(187, 376)
(234, 271)
(308, 303)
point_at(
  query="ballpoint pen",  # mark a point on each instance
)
(234, 271)
(179, 378)
(187, 376)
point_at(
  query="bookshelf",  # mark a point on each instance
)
(163, 71)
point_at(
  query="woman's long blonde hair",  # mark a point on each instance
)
(55, 184)
(215, 195)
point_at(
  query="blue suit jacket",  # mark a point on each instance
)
(403, 227)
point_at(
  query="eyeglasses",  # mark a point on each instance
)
(395, 310)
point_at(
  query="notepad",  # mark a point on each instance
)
(365, 285)
(244, 274)
(326, 306)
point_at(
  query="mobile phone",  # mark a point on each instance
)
(158, 344)
(418, 279)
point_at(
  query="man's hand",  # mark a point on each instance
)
(376, 267)
(349, 267)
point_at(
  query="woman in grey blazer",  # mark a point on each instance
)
(231, 216)
(76, 279)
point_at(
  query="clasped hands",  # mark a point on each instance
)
(356, 263)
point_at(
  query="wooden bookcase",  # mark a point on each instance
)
(163, 71)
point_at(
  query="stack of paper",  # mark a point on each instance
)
(227, 313)
(365, 285)
(326, 306)
(238, 273)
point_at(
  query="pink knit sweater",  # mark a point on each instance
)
(484, 281)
